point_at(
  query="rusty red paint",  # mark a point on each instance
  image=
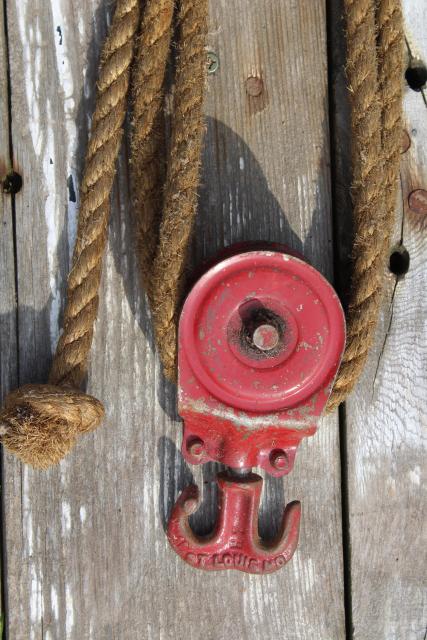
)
(279, 460)
(233, 544)
(245, 405)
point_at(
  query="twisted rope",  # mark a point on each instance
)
(148, 143)
(390, 74)
(70, 361)
(376, 97)
(182, 179)
(40, 423)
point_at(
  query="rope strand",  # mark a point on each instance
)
(70, 362)
(182, 179)
(375, 88)
(148, 134)
(40, 423)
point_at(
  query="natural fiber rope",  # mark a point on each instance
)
(376, 97)
(182, 179)
(148, 129)
(391, 69)
(70, 361)
(40, 423)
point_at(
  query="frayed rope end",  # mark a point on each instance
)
(40, 423)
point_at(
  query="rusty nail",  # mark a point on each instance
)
(406, 141)
(254, 86)
(417, 201)
(195, 447)
(279, 459)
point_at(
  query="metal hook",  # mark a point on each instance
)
(235, 542)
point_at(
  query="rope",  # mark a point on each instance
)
(182, 179)
(376, 97)
(148, 129)
(40, 423)
(70, 361)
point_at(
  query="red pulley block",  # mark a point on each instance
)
(261, 337)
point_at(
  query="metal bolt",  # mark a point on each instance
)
(265, 337)
(196, 447)
(417, 201)
(213, 62)
(279, 459)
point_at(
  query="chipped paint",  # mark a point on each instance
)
(242, 419)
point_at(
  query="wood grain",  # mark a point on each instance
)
(86, 552)
(8, 346)
(386, 419)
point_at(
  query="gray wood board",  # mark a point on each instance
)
(385, 432)
(8, 360)
(86, 551)
(8, 345)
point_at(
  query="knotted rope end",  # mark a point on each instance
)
(40, 423)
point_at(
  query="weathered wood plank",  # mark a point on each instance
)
(8, 345)
(87, 554)
(8, 360)
(386, 419)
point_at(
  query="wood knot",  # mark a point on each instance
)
(40, 423)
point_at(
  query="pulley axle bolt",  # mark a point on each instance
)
(265, 337)
(196, 447)
(279, 459)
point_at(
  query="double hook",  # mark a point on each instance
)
(235, 542)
